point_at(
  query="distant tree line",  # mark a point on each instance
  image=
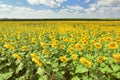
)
(66, 19)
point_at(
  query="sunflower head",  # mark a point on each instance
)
(113, 45)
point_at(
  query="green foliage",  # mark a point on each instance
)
(44, 51)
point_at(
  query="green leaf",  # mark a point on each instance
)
(109, 70)
(115, 68)
(104, 78)
(43, 77)
(104, 49)
(54, 64)
(102, 65)
(20, 67)
(21, 78)
(55, 69)
(106, 69)
(58, 76)
(3, 65)
(48, 62)
(40, 71)
(48, 69)
(85, 78)
(8, 64)
(81, 69)
(117, 75)
(17, 62)
(75, 78)
(94, 75)
(103, 70)
(3, 58)
(6, 76)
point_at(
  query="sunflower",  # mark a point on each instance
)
(87, 37)
(92, 42)
(43, 44)
(109, 39)
(71, 40)
(6, 46)
(85, 42)
(101, 40)
(116, 57)
(17, 56)
(33, 55)
(63, 59)
(79, 39)
(61, 38)
(117, 39)
(45, 51)
(83, 39)
(71, 45)
(86, 62)
(1, 40)
(113, 45)
(89, 48)
(33, 40)
(71, 49)
(66, 39)
(98, 45)
(39, 63)
(18, 37)
(101, 59)
(54, 45)
(9, 46)
(62, 46)
(25, 48)
(79, 47)
(74, 56)
(56, 42)
(73, 35)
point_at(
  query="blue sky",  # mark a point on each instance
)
(59, 8)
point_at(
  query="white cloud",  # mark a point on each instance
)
(100, 3)
(60, 1)
(87, 1)
(104, 7)
(8, 11)
(75, 7)
(99, 9)
(4, 7)
(24, 12)
(96, 10)
(50, 3)
(108, 2)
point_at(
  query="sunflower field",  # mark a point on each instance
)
(60, 50)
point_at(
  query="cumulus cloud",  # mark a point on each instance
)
(50, 3)
(24, 12)
(87, 1)
(105, 8)
(4, 7)
(99, 9)
(75, 7)
(108, 2)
